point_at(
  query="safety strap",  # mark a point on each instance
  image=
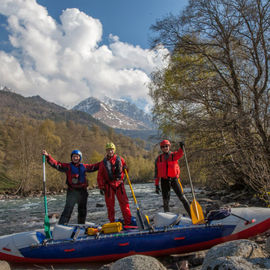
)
(113, 171)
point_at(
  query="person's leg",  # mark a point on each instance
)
(123, 203)
(110, 202)
(82, 206)
(71, 200)
(165, 189)
(177, 187)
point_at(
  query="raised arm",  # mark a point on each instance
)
(62, 167)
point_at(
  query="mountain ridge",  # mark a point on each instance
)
(120, 114)
(15, 105)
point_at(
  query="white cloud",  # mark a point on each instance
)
(65, 63)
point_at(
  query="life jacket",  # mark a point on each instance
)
(76, 176)
(167, 167)
(114, 170)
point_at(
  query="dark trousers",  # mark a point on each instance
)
(166, 185)
(75, 196)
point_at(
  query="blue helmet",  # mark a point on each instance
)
(76, 152)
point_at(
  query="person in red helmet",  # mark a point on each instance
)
(167, 170)
(110, 182)
(76, 182)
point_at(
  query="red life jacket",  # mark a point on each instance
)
(167, 168)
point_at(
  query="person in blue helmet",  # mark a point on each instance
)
(76, 182)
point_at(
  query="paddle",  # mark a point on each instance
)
(46, 218)
(195, 208)
(141, 219)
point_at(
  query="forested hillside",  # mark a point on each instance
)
(28, 125)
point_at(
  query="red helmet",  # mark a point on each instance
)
(165, 142)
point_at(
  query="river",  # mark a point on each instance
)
(26, 214)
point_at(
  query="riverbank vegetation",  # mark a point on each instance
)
(215, 90)
(22, 141)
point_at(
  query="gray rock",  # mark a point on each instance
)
(4, 265)
(241, 248)
(263, 263)
(236, 255)
(229, 263)
(137, 262)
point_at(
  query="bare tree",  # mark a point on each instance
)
(216, 86)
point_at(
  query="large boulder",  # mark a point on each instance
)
(242, 248)
(137, 262)
(229, 263)
(236, 255)
(4, 265)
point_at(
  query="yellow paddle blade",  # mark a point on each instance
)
(196, 212)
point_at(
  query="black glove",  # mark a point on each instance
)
(101, 191)
(181, 144)
(157, 189)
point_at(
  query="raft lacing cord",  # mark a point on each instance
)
(173, 223)
(224, 212)
(246, 220)
(75, 233)
(176, 221)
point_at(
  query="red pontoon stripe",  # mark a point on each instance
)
(69, 250)
(123, 244)
(179, 238)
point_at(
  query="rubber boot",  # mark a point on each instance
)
(166, 206)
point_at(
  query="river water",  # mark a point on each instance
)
(26, 214)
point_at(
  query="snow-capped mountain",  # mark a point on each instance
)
(119, 114)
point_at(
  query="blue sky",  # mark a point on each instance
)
(68, 50)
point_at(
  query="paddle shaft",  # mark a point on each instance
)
(46, 218)
(191, 185)
(143, 221)
(133, 194)
(44, 185)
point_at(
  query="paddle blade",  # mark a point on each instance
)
(142, 221)
(47, 227)
(46, 220)
(196, 212)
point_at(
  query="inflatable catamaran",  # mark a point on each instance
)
(169, 234)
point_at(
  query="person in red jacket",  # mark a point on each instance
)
(76, 182)
(110, 182)
(168, 171)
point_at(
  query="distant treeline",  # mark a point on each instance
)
(22, 140)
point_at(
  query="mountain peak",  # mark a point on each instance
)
(116, 113)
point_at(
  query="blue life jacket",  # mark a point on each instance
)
(78, 172)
